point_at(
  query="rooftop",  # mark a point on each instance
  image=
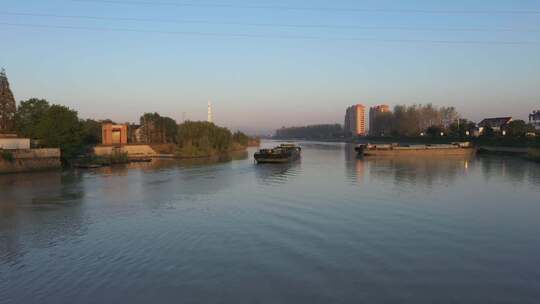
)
(495, 122)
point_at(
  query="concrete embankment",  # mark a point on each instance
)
(15, 161)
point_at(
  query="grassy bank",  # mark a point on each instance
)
(101, 161)
(188, 151)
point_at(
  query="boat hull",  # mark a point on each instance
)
(420, 152)
(282, 154)
(265, 159)
(415, 150)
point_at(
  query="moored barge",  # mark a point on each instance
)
(458, 148)
(283, 153)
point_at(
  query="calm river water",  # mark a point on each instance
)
(328, 229)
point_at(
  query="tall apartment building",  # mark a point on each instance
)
(373, 111)
(355, 120)
(534, 119)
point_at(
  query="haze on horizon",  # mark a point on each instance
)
(264, 65)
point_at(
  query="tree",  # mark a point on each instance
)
(158, 129)
(91, 131)
(414, 119)
(203, 138)
(448, 115)
(241, 138)
(434, 131)
(382, 124)
(516, 128)
(28, 116)
(170, 128)
(488, 132)
(60, 128)
(460, 127)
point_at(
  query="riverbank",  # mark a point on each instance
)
(525, 148)
(105, 156)
(192, 152)
(339, 221)
(527, 142)
(16, 161)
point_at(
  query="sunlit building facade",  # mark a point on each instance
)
(355, 120)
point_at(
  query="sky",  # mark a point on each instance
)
(267, 64)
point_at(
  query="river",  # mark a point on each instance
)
(328, 229)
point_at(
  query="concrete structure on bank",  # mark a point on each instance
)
(133, 151)
(114, 134)
(123, 139)
(497, 123)
(16, 161)
(534, 119)
(355, 120)
(373, 112)
(14, 143)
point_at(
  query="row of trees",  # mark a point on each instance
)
(323, 131)
(195, 137)
(57, 126)
(158, 129)
(412, 120)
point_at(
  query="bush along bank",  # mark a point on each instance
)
(197, 139)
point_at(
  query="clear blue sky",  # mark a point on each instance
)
(260, 74)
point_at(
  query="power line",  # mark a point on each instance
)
(264, 36)
(301, 8)
(329, 26)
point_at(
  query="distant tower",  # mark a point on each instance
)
(210, 117)
(8, 106)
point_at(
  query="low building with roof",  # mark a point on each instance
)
(495, 123)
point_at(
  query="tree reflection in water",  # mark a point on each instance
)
(272, 174)
(32, 199)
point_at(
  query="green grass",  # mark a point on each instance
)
(113, 159)
(119, 158)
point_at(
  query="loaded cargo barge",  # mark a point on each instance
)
(281, 154)
(461, 148)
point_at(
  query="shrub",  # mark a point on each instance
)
(119, 158)
(7, 156)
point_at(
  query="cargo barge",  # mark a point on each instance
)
(281, 154)
(461, 148)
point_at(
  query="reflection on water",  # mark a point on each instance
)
(427, 171)
(329, 228)
(28, 202)
(269, 174)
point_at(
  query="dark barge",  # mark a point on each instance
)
(283, 153)
(393, 150)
